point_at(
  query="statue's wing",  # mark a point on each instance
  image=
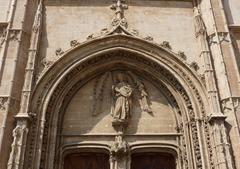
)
(141, 93)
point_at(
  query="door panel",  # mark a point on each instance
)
(152, 161)
(86, 161)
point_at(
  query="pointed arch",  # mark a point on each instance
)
(63, 78)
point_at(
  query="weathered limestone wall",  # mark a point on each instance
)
(79, 119)
(232, 11)
(4, 9)
(164, 20)
(236, 45)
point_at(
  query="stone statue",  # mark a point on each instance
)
(144, 98)
(122, 93)
(119, 147)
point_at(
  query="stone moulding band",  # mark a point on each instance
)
(113, 134)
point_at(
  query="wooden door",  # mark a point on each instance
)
(86, 161)
(152, 161)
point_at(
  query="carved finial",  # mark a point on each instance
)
(119, 8)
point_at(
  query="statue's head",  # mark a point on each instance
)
(120, 77)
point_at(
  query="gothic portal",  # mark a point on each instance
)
(137, 84)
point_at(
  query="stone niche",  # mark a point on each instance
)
(89, 111)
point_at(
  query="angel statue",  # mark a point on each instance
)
(144, 98)
(122, 93)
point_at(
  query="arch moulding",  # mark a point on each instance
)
(156, 63)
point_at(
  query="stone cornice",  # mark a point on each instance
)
(234, 28)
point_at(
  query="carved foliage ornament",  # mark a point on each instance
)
(119, 148)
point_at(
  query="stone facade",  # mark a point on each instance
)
(119, 78)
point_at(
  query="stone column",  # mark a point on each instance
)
(225, 68)
(13, 57)
(16, 159)
(214, 104)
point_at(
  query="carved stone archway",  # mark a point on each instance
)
(183, 86)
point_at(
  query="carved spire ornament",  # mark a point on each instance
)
(119, 8)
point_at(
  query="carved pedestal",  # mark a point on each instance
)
(119, 154)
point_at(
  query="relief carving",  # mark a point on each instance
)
(14, 35)
(3, 33)
(119, 8)
(3, 103)
(144, 100)
(19, 138)
(125, 87)
(199, 23)
(218, 38)
(119, 148)
(119, 153)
